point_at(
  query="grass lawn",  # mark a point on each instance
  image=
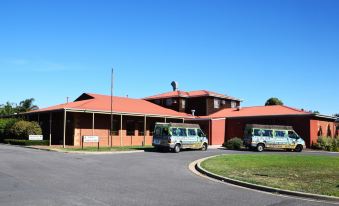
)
(311, 174)
(107, 149)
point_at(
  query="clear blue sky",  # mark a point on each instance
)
(249, 49)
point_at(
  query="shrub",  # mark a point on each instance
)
(234, 143)
(26, 142)
(327, 143)
(22, 129)
(5, 126)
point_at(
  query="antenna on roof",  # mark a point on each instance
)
(175, 85)
(67, 98)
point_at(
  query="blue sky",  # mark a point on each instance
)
(248, 49)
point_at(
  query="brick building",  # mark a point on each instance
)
(219, 116)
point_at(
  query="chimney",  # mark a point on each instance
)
(175, 85)
(193, 111)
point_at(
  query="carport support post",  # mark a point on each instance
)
(121, 130)
(165, 120)
(64, 139)
(183, 120)
(50, 128)
(93, 124)
(144, 131)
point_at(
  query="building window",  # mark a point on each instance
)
(216, 103)
(169, 102)
(183, 103)
(233, 104)
(157, 101)
(223, 102)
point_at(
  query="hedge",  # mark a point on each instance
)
(327, 144)
(5, 127)
(22, 129)
(26, 142)
(234, 144)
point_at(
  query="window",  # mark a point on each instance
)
(257, 132)
(183, 103)
(165, 131)
(175, 131)
(200, 133)
(157, 101)
(216, 103)
(169, 102)
(292, 134)
(233, 104)
(191, 132)
(280, 133)
(157, 131)
(182, 132)
(223, 102)
(267, 133)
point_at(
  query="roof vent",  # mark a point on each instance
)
(193, 111)
(175, 85)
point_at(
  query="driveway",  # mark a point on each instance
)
(34, 177)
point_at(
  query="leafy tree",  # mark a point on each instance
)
(22, 129)
(316, 112)
(27, 105)
(8, 108)
(273, 101)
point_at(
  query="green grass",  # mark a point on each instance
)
(107, 149)
(311, 174)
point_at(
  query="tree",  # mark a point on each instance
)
(273, 101)
(7, 109)
(316, 112)
(27, 105)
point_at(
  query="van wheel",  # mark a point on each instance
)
(204, 147)
(298, 148)
(260, 147)
(176, 148)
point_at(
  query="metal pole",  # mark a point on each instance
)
(111, 130)
(144, 130)
(165, 120)
(120, 130)
(183, 120)
(50, 128)
(93, 124)
(64, 139)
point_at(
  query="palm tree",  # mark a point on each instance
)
(27, 105)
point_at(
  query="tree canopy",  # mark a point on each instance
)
(24, 106)
(273, 101)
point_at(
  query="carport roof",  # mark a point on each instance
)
(275, 110)
(102, 103)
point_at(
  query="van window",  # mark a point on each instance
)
(165, 131)
(175, 131)
(257, 132)
(191, 132)
(280, 133)
(158, 131)
(267, 133)
(182, 132)
(292, 134)
(200, 133)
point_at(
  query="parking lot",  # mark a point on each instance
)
(35, 177)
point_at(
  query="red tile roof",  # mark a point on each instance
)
(197, 93)
(257, 111)
(97, 102)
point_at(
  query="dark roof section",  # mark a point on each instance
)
(262, 126)
(191, 94)
(185, 125)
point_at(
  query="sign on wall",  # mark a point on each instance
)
(35, 137)
(90, 139)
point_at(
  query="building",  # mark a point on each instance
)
(219, 116)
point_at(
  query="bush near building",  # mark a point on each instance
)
(26, 142)
(5, 127)
(234, 143)
(22, 129)
(327, 144)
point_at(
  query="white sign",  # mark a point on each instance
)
(90, 139)
(35, 137)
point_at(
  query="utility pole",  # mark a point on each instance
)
(111, 130)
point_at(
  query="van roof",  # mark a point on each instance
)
(179, 125)
(269, 126)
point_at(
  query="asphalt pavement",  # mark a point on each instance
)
(35, 177)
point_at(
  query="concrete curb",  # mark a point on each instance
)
(198, 169)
